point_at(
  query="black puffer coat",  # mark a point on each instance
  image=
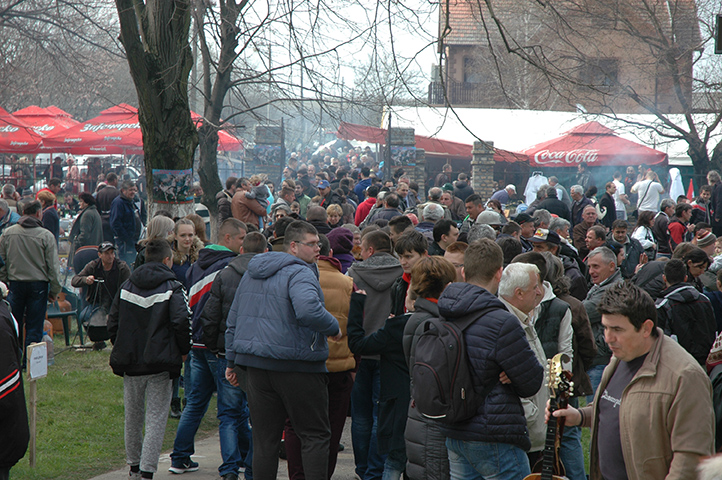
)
(686, 313)
(149, 323)
(425, 443)
(14, 431)
(219, 303)
(495, 343)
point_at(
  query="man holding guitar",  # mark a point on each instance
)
(652, 415)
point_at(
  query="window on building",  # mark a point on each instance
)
(600, 72)
(472, 71)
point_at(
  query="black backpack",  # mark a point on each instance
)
(442, 385)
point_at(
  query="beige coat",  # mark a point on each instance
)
(337, 289)
(666, 416)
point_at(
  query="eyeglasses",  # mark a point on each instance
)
(311, 244)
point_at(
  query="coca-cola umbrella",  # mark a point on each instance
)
(16, 136)
(45, 121)
(595, 144)
(115, 131)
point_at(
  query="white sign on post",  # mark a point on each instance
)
(37, 360)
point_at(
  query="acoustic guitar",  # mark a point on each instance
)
(550, 466)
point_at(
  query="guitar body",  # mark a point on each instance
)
(538, 476)
(549, 466)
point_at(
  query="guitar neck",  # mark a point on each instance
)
(549, 453)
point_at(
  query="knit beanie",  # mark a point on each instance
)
(707, 240)
(341, 240)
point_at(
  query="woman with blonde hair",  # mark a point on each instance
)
(200, 227)
(335, 216)
(158, 227)
(186, 245)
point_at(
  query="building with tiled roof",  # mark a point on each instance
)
(598, 54)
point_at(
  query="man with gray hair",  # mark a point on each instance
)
(542, 218)
(660, 228)
(9, 195)
(520, 290)
(432, 213)
(541, 195)
(7, 216)
(480, 231)
(562, 193)
(603, 272)
(579, 202)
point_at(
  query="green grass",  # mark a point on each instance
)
(80, 419)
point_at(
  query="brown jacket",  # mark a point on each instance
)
(245, 209)
(337, 289)
(666, 416)
(583, 345)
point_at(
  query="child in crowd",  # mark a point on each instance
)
(259, 192)
(149, 325)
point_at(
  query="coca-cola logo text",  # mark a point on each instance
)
(546, 157)
(8, 129)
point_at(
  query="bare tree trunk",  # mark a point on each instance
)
(214, 94)
(155, 37)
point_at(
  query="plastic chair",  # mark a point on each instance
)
(54, 312)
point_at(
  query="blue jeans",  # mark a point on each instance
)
(595, 375)
(364, 419)
(395, 464)
(486, 461)
(207, 376)
(29, 301)
(571, 452)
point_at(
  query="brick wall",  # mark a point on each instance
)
(482, 169)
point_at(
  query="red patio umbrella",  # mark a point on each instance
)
(45, 121)
(16, 136)
(595, 144)
(115, 131)
(226, 141)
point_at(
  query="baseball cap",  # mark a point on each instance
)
(488, 217)
(105, 246)
(544, 235)
(512, 187)
(523, 218)
(323, 184)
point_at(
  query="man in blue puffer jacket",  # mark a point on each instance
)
(277, 329)
(492, 444)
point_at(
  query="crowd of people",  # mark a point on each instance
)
(307, 307)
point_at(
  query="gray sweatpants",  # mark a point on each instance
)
(147, 399)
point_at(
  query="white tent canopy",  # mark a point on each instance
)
(517, 130)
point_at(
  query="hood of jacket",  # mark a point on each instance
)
(266, 265)
(379, 271)
(29, 222)
(681, 293)
(461, 299)
(240, 263)
(211, 254)
(150, 275)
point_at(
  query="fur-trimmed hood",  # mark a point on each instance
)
(180, 258)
